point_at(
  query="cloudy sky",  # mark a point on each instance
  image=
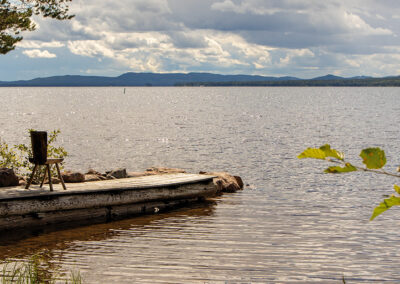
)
(303, 38)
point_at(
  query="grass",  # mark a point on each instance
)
(31, 272)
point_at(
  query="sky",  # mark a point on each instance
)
(301, 38)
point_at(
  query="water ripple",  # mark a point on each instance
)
(292, 224)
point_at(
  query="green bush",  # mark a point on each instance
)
(17, 157)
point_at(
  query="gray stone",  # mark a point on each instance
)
(22, 180)
(93, 172)
(239, 181)
(226, 182)
(141, 174)
(163, 170)
(70, 176)
(8, 177)
(91, 177)
(117, 173)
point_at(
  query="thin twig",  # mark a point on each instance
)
(382, 172)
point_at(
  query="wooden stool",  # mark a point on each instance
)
(39, 151)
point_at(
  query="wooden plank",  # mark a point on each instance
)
(102, 200)
(87, 215)
(154, 181)
(57, 203)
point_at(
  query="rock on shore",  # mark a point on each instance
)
(93, 175)
(117, 173)
(162, 170)
(70, 176)
(8, 177)
(226, 182)
(156, 171)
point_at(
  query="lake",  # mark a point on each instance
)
(292, 223)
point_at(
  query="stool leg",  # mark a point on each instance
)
(49, 174)
(60, 177)
(44, 177)
(31, 177)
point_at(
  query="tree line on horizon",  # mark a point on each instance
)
(367, 82)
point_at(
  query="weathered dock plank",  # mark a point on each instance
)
(100, 199)
(153, 181)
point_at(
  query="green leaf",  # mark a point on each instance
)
(313, 153)
(385, 205)
(322, 153)
(373, 158)
(346, 169)
(396, 188)
(332, 152)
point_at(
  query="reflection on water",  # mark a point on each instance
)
(56, 238)
(293, 224)
(49, 244)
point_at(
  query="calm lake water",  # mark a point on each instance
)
(291, 224)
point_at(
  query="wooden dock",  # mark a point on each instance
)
(100, 200)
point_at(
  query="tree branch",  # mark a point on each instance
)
(382, 172)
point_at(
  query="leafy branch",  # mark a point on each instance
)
(16, 17)
(374, 160)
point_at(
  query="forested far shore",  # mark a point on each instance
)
(369, 82)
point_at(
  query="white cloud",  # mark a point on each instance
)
(295, 53)
(37, 53)
(90, 48)
(40, 44)
(289, 37)
(354, 22)
(251, 6)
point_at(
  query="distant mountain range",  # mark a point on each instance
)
(333, 77)
(141, 79)
(198, 79)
